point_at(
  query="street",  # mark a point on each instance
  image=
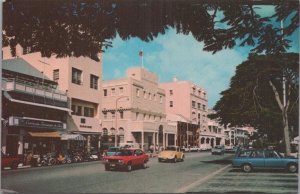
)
(200, 172)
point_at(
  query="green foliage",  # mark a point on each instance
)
(85, 28)
(250, 99)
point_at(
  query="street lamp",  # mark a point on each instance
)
(116, 118)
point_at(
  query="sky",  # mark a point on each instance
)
(181, 56)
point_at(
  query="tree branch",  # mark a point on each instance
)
(276, 95)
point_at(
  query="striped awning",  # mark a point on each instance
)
(45, 134)
(76, 137)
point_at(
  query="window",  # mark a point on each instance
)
(121, 115)
(113, 115)
(56, 74)
(79, 111)
(113, 91)
(76, 76)
(199, 105)
(144, 116)
(199, 92)
(154, 97)
(105, 115)
(199, 115)
(88, 112)
(160, 99)
(145, 94)
(171, 92)
(94, 81)
(194, 90)
(138, 92)
(136, 115)
(193, 104)
(203, 107)
(171, 103)
(82, 120)
(150, 97)
(105, 92)
(121, 90)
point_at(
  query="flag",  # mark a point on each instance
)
(141, 53)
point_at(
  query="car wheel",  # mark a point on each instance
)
(247, 168)
(107, 167)
(129, 167)
(175, 159)
(159, 160)
(14, 165)
(292, 168)
(182, 159)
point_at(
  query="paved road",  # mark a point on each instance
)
(260, 181)
(92, 178)
(200, 172)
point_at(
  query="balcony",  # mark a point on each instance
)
(26, 91)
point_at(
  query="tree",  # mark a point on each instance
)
(255, 96)
(85, 28)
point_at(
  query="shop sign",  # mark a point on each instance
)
(25, 122)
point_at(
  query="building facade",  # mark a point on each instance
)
(34, 111)
(80, 78)
(237, 136)
(189, 101)
(134, 111)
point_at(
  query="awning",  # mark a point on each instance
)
(77, 137)
(45, 134)
(35, 104)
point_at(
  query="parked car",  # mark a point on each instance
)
(184, 149)
(218, 150)
(111, 151)
(11, 161)
(126, 159)
(248, 160)
(194, 149)
(171, 153)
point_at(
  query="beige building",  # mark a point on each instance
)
(212, 135)
(188, 100)
(134, 111)
(80, 78)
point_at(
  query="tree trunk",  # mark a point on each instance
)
(286, 132)
(285, 122)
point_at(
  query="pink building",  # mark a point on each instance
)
(189, 101)
(80, 78)
(134, 111)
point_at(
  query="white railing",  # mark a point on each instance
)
(12, 84)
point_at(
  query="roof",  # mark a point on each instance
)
(21, 66)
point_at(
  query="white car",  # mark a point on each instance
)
(194, 149)
(184, 149)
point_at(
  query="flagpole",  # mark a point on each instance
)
(143, 58)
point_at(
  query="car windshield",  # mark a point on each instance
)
(218, 147)
(171, 148)
(123, 153)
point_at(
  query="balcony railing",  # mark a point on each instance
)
(36, 93)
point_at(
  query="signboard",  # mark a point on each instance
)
(36, 123)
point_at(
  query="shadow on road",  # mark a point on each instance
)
(278, 171)
(221, 161)
(237, 192)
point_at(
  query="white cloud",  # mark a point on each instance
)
(183, 57)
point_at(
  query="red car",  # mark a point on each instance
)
(127, 159)
(11, 161)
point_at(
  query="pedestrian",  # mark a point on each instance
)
(151, 148)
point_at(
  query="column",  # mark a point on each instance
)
(164, 143)
(88, 143)
(21, 142)
(167, 139)
(143, 140)
(153, 141)
(157, 140)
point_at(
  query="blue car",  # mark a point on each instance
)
(247, 160)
